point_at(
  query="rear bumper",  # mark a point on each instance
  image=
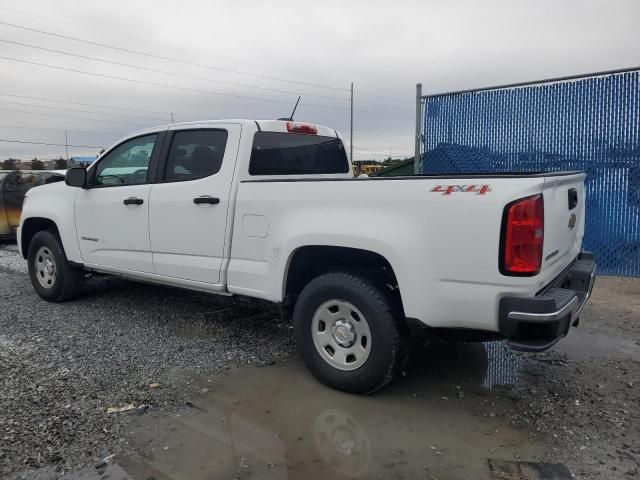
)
(536, 324)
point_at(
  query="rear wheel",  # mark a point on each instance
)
(52, 276)
(349, 332)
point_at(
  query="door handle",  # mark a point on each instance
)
(133, 201)
(206, 199)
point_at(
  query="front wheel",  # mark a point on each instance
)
(349, 332)
(52, 276)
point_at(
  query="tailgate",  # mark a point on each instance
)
(563, 219)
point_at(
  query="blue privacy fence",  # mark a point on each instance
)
(589, 123)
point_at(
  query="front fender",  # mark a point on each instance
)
(55, 203)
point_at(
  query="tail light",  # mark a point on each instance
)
(522, 237)
(297, 127)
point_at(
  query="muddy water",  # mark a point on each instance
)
(277, 422)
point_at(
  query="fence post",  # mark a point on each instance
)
(417, 159)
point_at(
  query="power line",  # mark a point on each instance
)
(196, 52)
(49, 144)
(23, 127)
(123, 108)
(177, 60)
(89, 104)
(188, 89)
(143, 82)
(193, 77)
(56, 115)
(166, 72)
(55, 107)
(130, 37)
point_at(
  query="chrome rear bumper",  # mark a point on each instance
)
(536, 324)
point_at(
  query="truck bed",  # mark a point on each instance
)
(427, 176)
(444, 247)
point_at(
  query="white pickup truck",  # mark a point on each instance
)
(270, 209)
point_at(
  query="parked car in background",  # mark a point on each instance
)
(271, 209)
(14, 184)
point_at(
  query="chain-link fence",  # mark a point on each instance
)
(588, 123)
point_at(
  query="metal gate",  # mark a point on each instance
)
(587, 122)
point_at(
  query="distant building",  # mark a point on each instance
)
(367, 167)
(81, 161)
(26, 165)
(21, 165)
(399, 169)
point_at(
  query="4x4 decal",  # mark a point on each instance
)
(449, 189)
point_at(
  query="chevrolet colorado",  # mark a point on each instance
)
(270, 209)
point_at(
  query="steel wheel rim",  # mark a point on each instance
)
(45, 265)
(341, 335)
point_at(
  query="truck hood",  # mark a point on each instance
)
(47, 189)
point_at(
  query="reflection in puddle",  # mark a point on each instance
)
(342, 442)
(503, 365)
(278, 422)
(486, 364)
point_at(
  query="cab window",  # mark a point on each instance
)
(195, 154)
(126, 164)
(276, 153)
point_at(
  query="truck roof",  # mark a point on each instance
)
(264, 125)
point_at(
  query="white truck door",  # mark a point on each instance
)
(188, 205)
(112, 220)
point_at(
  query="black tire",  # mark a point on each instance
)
(388, 331)
(68, 279)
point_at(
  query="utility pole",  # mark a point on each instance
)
(351, 127)
(66, 145)
(417, 159)
(172, 117)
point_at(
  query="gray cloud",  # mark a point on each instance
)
(385, 48)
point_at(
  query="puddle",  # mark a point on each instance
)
(528, 470)
(503, 365)
(486, 365)
(278, 422)
(583, 344)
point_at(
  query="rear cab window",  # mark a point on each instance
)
(278, 153)
(195, 154)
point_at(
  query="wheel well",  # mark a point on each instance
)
(311, 261)
(30, 227)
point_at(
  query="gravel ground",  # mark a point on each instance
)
(588, 413)
(583, 397)
(63, 365)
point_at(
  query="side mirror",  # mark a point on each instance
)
(76, 177)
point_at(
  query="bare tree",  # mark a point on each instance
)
(37, 164)
(61, 164)
(9, 164)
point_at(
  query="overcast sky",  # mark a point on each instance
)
(252, 59)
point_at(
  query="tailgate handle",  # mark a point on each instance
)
(573, 198)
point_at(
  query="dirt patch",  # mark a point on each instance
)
(233, 401)
(583, 397)
(278, 422)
